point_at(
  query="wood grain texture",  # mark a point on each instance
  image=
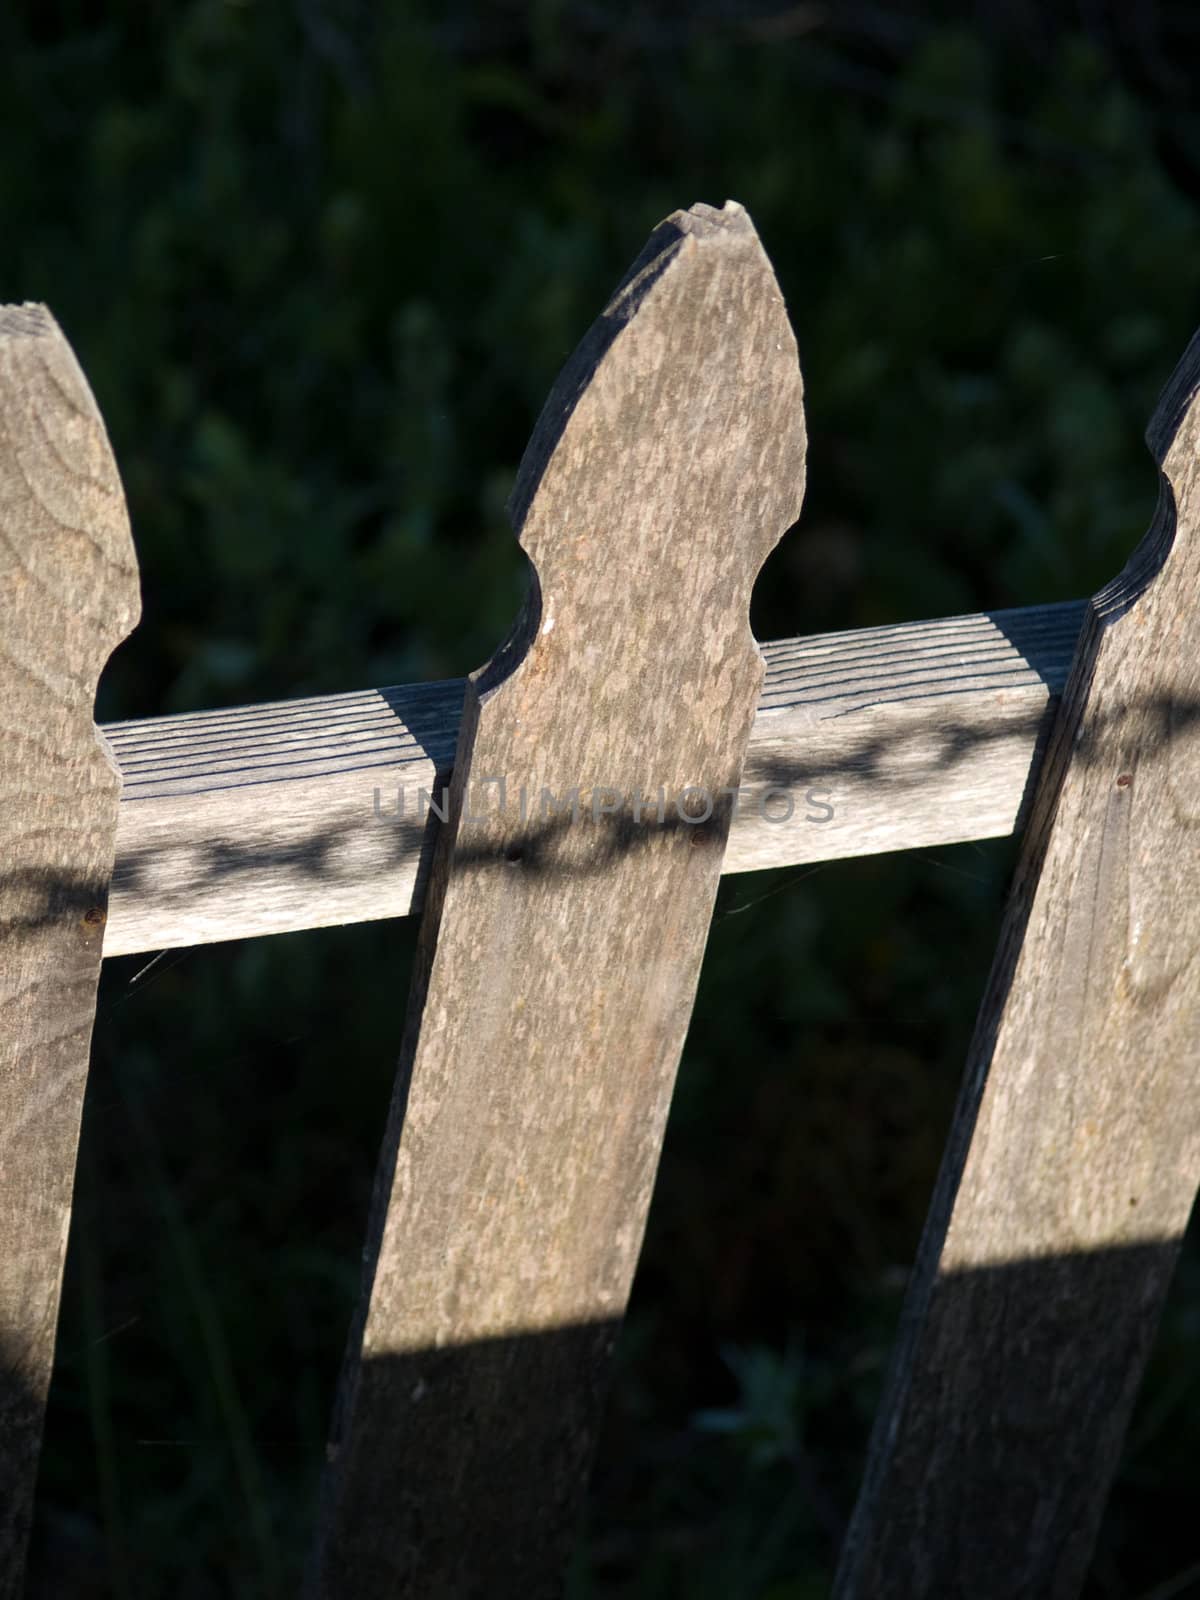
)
(69, 595)
(307, 813)
(559, 956)
(1075, 1153)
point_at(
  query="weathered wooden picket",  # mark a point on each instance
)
(561, 821)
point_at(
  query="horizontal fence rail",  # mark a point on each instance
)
(308, 813)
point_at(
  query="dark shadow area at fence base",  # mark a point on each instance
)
(1008, 1424)
(21, 1413)
(489, 1447)
(1011, 1408)
(999, 1434)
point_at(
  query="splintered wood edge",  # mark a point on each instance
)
(278, 817)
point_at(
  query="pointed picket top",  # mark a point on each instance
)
(666, 464)
(1172, 435)
(62, 510)
(1173, 439)
(669, 455)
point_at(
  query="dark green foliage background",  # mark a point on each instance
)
(321, 263)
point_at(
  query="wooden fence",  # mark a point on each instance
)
(560, 821)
